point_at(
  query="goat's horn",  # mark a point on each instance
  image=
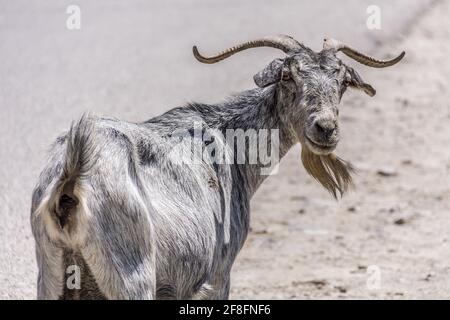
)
(282, 42)
(358, 56)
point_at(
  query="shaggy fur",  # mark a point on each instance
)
(333, 173)
(116, 200)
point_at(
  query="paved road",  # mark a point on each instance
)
(133, 60)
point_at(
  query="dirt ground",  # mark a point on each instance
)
(394, 226)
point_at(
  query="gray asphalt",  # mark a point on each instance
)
(133, 60)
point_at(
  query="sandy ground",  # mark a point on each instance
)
(133, 61)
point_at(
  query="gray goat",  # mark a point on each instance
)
(115, 201)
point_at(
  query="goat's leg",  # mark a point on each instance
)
(120, 247)
(218, 290)
(51, 274)
(223, 291)
(49, 257)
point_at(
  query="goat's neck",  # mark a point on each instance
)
(261, 109)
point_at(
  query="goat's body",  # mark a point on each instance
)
(120, 201)
(148, 226)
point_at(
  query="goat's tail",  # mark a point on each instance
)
(66, 196)
(81, 149)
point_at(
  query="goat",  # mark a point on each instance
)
(114, 201)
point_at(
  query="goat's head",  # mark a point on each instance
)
(314, 82)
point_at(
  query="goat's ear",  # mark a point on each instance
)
(354, 80)
(271, 74)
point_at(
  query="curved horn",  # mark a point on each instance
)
(285, 43)
(358, 56)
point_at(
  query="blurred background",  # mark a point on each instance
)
(133, 60)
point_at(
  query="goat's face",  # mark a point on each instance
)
(317, 82)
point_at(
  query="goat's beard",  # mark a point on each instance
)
(333, 173)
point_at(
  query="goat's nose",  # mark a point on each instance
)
(325, 127)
